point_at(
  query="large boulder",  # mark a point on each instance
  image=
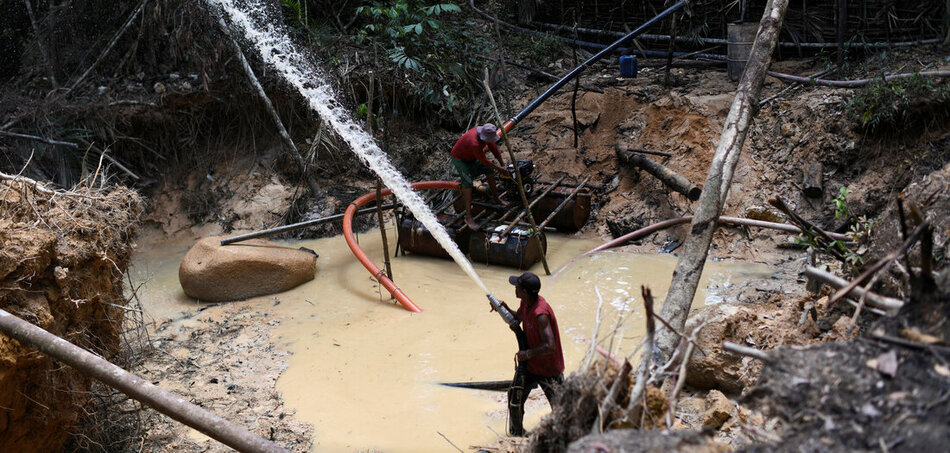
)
(255, 267)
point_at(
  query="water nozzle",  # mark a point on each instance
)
(504, 312)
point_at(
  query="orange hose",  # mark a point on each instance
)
(361, 255)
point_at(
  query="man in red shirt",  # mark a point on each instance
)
(468, 156)
(541, 360)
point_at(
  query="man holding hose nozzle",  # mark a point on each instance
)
(540, 360)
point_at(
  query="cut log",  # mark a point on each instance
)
(672, 179)
(812, 185)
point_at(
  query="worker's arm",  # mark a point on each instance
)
(547, 341)
(488, 163)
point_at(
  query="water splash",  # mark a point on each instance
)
(258, 25)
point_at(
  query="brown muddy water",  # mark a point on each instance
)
(366, 373)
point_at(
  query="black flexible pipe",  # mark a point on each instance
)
(557, 85)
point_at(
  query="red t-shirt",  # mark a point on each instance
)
(469, 148)
(549, 365)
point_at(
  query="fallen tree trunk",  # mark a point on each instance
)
(716, 189)
(672, 179)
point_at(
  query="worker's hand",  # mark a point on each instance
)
(522, 356)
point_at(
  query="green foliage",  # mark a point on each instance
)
(900, 105)
(841, 203)
(429, 43)
(540, 50)
(852, 252)
(294, 11)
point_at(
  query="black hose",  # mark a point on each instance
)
(557, 85)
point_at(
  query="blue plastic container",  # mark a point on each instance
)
(628, 66)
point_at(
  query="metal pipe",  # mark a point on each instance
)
(557, 85)
(299, 226)
(165, 402)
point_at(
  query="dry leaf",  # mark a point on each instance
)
(913, 334)
(942, 370)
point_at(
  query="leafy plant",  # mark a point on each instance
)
(898, 106)
(429, 43)
(841, 203)
(295, 11)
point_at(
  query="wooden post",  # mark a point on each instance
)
(716, 189)
(665, 175)
(812, 184)
(382, 226)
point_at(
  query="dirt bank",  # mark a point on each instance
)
(63, 257)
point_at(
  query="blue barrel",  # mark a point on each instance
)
(628, 66)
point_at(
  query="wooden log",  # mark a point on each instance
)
(719, 179)
(812, 184)
(668, 177)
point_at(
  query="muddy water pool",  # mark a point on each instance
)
(365, 372)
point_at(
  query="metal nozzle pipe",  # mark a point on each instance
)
(506, 314)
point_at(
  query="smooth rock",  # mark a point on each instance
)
(212, 272)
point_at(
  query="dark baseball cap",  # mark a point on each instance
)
(526, 281)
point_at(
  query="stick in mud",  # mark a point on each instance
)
(746, 351)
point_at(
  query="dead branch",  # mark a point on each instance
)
(817, 235)
(645, 151)
(641, 384)
(747, 351)
(881, 263)
(39, 44)
(284, 135)
(668, 177)
(610, 401)
(108, 47)
(889, 304)
(593, 340)
(37, 138)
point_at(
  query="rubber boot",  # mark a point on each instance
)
(516, 398)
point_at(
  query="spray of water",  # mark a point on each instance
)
(255, 22)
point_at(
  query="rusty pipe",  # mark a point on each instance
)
(165, 402)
